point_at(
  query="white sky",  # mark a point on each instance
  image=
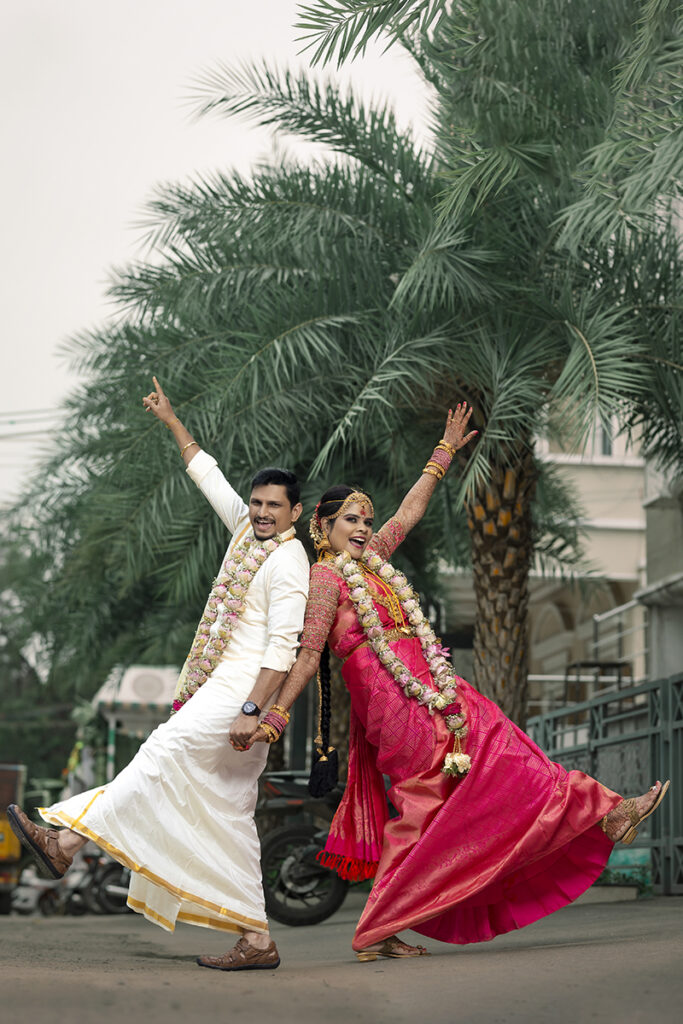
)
(94, 116)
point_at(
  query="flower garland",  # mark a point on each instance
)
(222, 612)
(444, 697)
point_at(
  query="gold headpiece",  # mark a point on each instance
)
(315, 528)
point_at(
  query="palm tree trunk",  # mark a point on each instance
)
(499, 519)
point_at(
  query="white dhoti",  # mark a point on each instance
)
(180, 815)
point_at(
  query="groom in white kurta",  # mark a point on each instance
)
(181, 814)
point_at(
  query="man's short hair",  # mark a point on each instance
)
(274, 475)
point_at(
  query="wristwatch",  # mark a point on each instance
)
(249, 708)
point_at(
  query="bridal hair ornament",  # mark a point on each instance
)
(315, 527)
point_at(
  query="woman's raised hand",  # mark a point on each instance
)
(456, 425)
(157, 402)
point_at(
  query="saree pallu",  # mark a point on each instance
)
(466, 859)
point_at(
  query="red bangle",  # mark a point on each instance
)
(275, 720)
(441, 457)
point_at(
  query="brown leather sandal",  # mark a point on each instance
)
(243, 957)
(42, 843)
(390, 949)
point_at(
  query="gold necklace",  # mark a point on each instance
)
(394, 609)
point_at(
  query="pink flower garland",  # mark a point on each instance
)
(443, 696)
(222, 612)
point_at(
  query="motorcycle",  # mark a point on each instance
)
(75, 893)
(111, 888)
(297, 889)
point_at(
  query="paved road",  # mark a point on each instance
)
(618, 962)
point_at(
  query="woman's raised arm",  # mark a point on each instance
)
(414, 505)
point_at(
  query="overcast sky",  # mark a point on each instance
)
(94, 115)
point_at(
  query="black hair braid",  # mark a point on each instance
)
(325, 765)
(325, 698)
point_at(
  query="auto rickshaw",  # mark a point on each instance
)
(12, 781)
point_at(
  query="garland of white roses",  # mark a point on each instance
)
(222, 612)
(446, 693)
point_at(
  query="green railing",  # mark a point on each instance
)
(626, 740)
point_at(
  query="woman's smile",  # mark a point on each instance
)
(352, 531)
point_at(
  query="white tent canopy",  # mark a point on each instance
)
(134, 700)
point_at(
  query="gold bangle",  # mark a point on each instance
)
(437, 466)
(189, 445)
(279, 710)
(171, 422)
(439, 476)
(451, 449)
(270, 731)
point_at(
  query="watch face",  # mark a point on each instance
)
(249, 708)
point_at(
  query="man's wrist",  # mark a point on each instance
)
(251, 709)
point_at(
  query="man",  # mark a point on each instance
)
(181, 814)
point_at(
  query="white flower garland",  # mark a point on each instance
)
(222, 612)
(446, 692)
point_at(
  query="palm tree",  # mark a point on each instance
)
(325, 315)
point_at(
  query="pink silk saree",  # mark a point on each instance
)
(466, 859)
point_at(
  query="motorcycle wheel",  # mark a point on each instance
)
(51, 904)
(298, 890)
(112, 889)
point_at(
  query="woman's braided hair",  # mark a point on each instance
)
(325, 696)
(330, 503)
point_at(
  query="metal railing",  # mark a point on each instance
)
(580, 681)
(626, 739)
(620, 635)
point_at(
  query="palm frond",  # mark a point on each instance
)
(345, 27)
(316, 110)
(638, 165)
(446, 273)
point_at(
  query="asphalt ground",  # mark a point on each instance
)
(586, 963)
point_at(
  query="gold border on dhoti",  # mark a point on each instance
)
(199, 919)
(230, 917)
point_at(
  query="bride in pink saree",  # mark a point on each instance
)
(490, 834)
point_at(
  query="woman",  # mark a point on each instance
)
(490, 834)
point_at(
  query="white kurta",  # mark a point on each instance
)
(181, 814)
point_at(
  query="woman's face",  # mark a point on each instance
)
(351, 531)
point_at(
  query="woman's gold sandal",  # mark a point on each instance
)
(629, 808)
(390, 949)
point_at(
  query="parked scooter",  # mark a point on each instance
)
(75, 893)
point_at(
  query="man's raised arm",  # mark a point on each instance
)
(201, 466)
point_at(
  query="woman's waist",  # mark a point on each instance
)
(390, 634)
